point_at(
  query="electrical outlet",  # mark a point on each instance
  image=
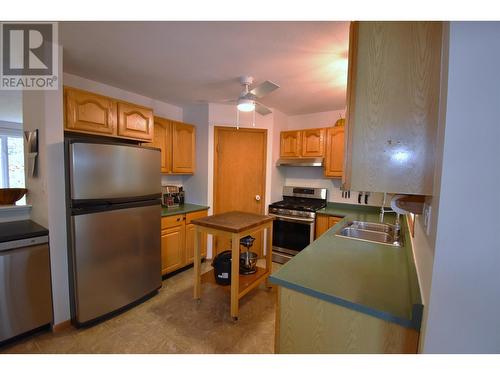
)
(427, 218)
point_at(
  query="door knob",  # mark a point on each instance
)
(257, 197)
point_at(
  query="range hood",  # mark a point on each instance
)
(300, 162)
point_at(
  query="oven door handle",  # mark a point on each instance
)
(293, 219)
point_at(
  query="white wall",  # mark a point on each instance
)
(43, 110)
(465, 292)
(196, 186)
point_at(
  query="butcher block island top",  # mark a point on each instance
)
(233, 221)
(234, 224)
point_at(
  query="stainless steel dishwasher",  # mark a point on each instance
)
(25, 287)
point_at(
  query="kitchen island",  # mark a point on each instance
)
(236, 224)
(343, 295)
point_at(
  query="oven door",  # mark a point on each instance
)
(292, 234)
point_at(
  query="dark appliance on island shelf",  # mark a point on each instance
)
(294, 224)
(114, 221)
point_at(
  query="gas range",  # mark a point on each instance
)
(294, 224)
(301, 207)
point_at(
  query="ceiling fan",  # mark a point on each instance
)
(247, 100)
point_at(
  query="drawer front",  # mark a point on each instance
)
(195, 215)
(172, 221)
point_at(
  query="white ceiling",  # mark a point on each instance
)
(186, 62)
(11, 106)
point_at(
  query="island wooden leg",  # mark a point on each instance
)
(269, 251)
(235, 274)
(197, 263)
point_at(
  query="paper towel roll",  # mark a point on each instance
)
(394, 206)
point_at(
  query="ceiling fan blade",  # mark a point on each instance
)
(262, 109)
(264, 88)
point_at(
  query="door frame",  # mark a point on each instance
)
(218, 129)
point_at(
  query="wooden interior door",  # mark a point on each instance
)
(239, 176)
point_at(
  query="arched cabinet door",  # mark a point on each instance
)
(89, 113)
(135, 121)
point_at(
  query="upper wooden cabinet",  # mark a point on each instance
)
(303, 143)
(183, 148)
(135, 121)
(162, 139)
(392, 106)
(290, 144)
(86, 112)
(313, 143)
(334, 159)
(89, 113)
(177, 142)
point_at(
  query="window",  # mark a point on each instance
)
(12, 159)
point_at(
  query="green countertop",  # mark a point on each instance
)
(184, 209)
(375, 279)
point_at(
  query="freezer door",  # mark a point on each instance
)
(25, 292)
(111, 171)
(116, 259)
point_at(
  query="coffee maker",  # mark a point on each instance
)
(172, 195)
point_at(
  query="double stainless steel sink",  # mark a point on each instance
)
(372, 232)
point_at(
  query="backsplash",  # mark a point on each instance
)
(313, 177)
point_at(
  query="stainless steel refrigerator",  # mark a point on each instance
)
(114, 223)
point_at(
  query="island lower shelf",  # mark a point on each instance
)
(305, 324)
(246, 284)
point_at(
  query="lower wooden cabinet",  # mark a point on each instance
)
(177, 241)
(325, 222)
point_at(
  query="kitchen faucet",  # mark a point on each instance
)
(383, 210)
(397, 225)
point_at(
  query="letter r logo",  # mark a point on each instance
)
(26, 49)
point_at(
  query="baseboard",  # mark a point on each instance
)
(63, 326)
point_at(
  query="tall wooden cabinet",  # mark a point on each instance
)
(334, 158)
(177, 241)
(392, 106)
(183, 148)
(87, 112)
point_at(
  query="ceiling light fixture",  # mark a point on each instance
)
(246, 105)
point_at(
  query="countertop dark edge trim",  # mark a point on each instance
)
(413, 324)
(186, 211)
(24, 236)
